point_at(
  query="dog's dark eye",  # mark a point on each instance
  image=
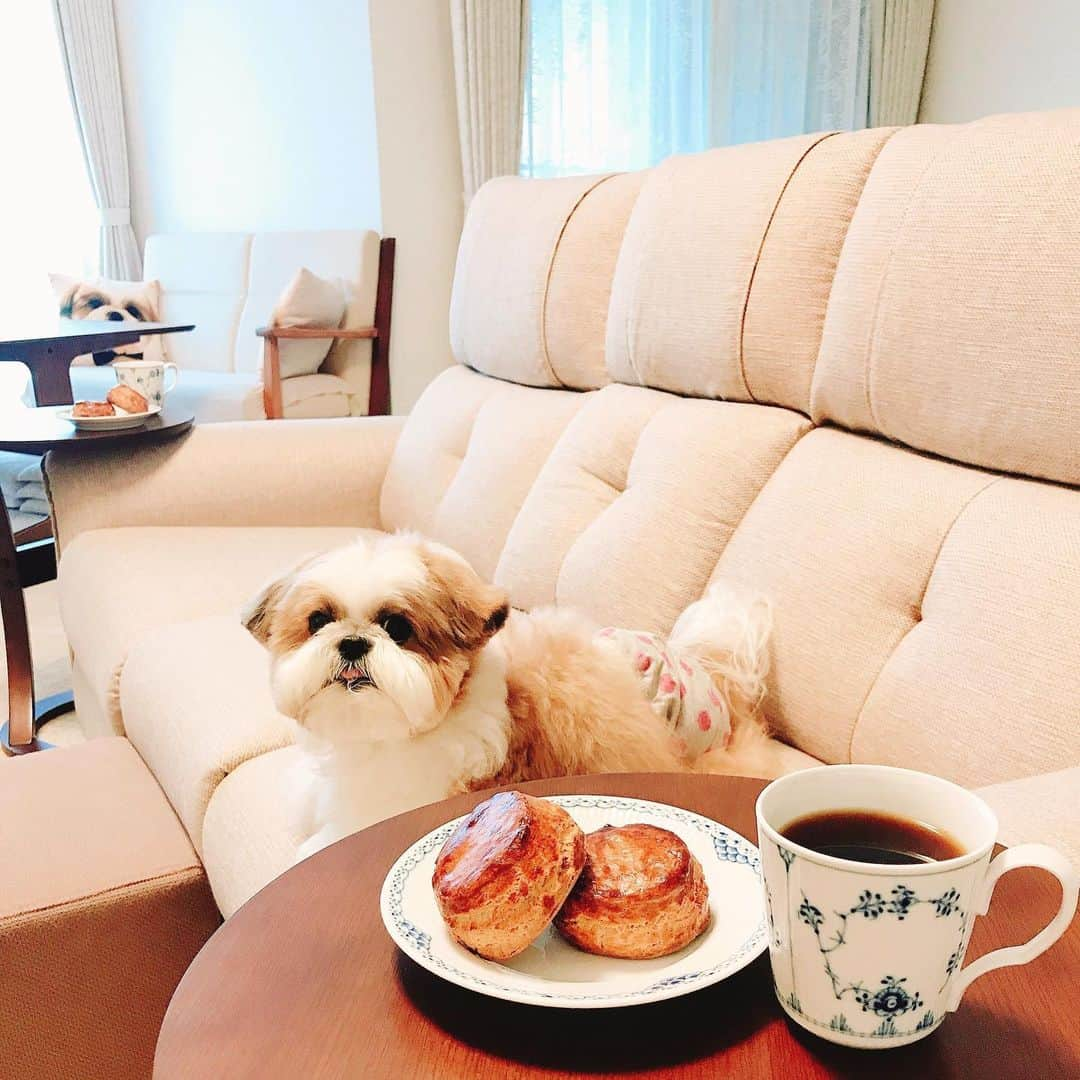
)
(398, 627)
(133, 311)
(93, 302)
(317, 620)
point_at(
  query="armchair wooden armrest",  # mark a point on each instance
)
(379, 334)
(271, 335)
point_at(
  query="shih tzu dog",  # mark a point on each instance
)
(109, 301)
(410, 679)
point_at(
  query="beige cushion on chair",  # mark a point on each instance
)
(308, 300)
(304, 397)
(167, 575)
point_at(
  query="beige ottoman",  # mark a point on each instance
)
(103, 904)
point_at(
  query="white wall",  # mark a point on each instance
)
(420, 178)
(261, 114)
(1001, 56)
(248, 114)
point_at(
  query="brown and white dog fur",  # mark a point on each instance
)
(410, 680)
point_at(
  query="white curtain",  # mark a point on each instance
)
(489, 63)
(621, 84)
(87, 35)
(899, 42)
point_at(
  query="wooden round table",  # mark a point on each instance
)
(304, 981)
(37, 431)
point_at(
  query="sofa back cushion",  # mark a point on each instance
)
(725, 270)
(533, 278)
(924, 605)
(953, 325)
(203, 281)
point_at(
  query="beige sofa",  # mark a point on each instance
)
(841, 368)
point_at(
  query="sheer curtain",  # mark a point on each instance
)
(48, 220)
(621, 84)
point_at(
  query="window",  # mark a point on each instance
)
(46, 205)
(621, 84)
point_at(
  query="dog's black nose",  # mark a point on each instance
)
(353, 648)
(115, 316)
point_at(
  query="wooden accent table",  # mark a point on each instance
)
(304, 981)
(48, 350)
(35, 431)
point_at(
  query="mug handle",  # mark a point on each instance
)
(1046, 858)
(175, 375)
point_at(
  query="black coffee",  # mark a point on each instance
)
(869, 836)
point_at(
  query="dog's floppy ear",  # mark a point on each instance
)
(64, 287)
(473, 611)
(257, 616)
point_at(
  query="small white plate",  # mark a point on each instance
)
(553, 973)
(109, 423)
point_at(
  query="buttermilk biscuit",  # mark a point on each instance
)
(92, 408)
(123, 397)
(641, 895)
(505, 871)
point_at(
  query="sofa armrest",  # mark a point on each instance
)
(301, 472)
(1039, 809)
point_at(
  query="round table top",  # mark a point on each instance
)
(36, 431)
(304, 981)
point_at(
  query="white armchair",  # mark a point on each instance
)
(227, 285)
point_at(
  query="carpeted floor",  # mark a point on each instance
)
(52, 667)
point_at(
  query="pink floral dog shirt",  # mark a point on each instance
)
(678, 688)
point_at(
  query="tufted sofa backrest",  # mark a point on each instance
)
(842, 369)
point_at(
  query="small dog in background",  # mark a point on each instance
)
(110, 301)
(411, 680)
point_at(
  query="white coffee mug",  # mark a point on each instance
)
(147, 377)
(871, 955)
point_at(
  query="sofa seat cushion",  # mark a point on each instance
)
(116, 585)
(250, 832)
(304, 397)
(213, 396)
(195, 698)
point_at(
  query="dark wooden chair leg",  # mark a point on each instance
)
(379, 394)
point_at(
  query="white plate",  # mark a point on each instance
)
(553, 973)
(109, 423)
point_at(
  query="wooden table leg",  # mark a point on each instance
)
(18, 733)
(50, 372)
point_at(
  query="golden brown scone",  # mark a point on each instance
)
(92, 408)
(641, 894)
(127, 399)
(505, 871)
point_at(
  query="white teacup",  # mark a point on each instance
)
(147, 377)
(871, 955)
